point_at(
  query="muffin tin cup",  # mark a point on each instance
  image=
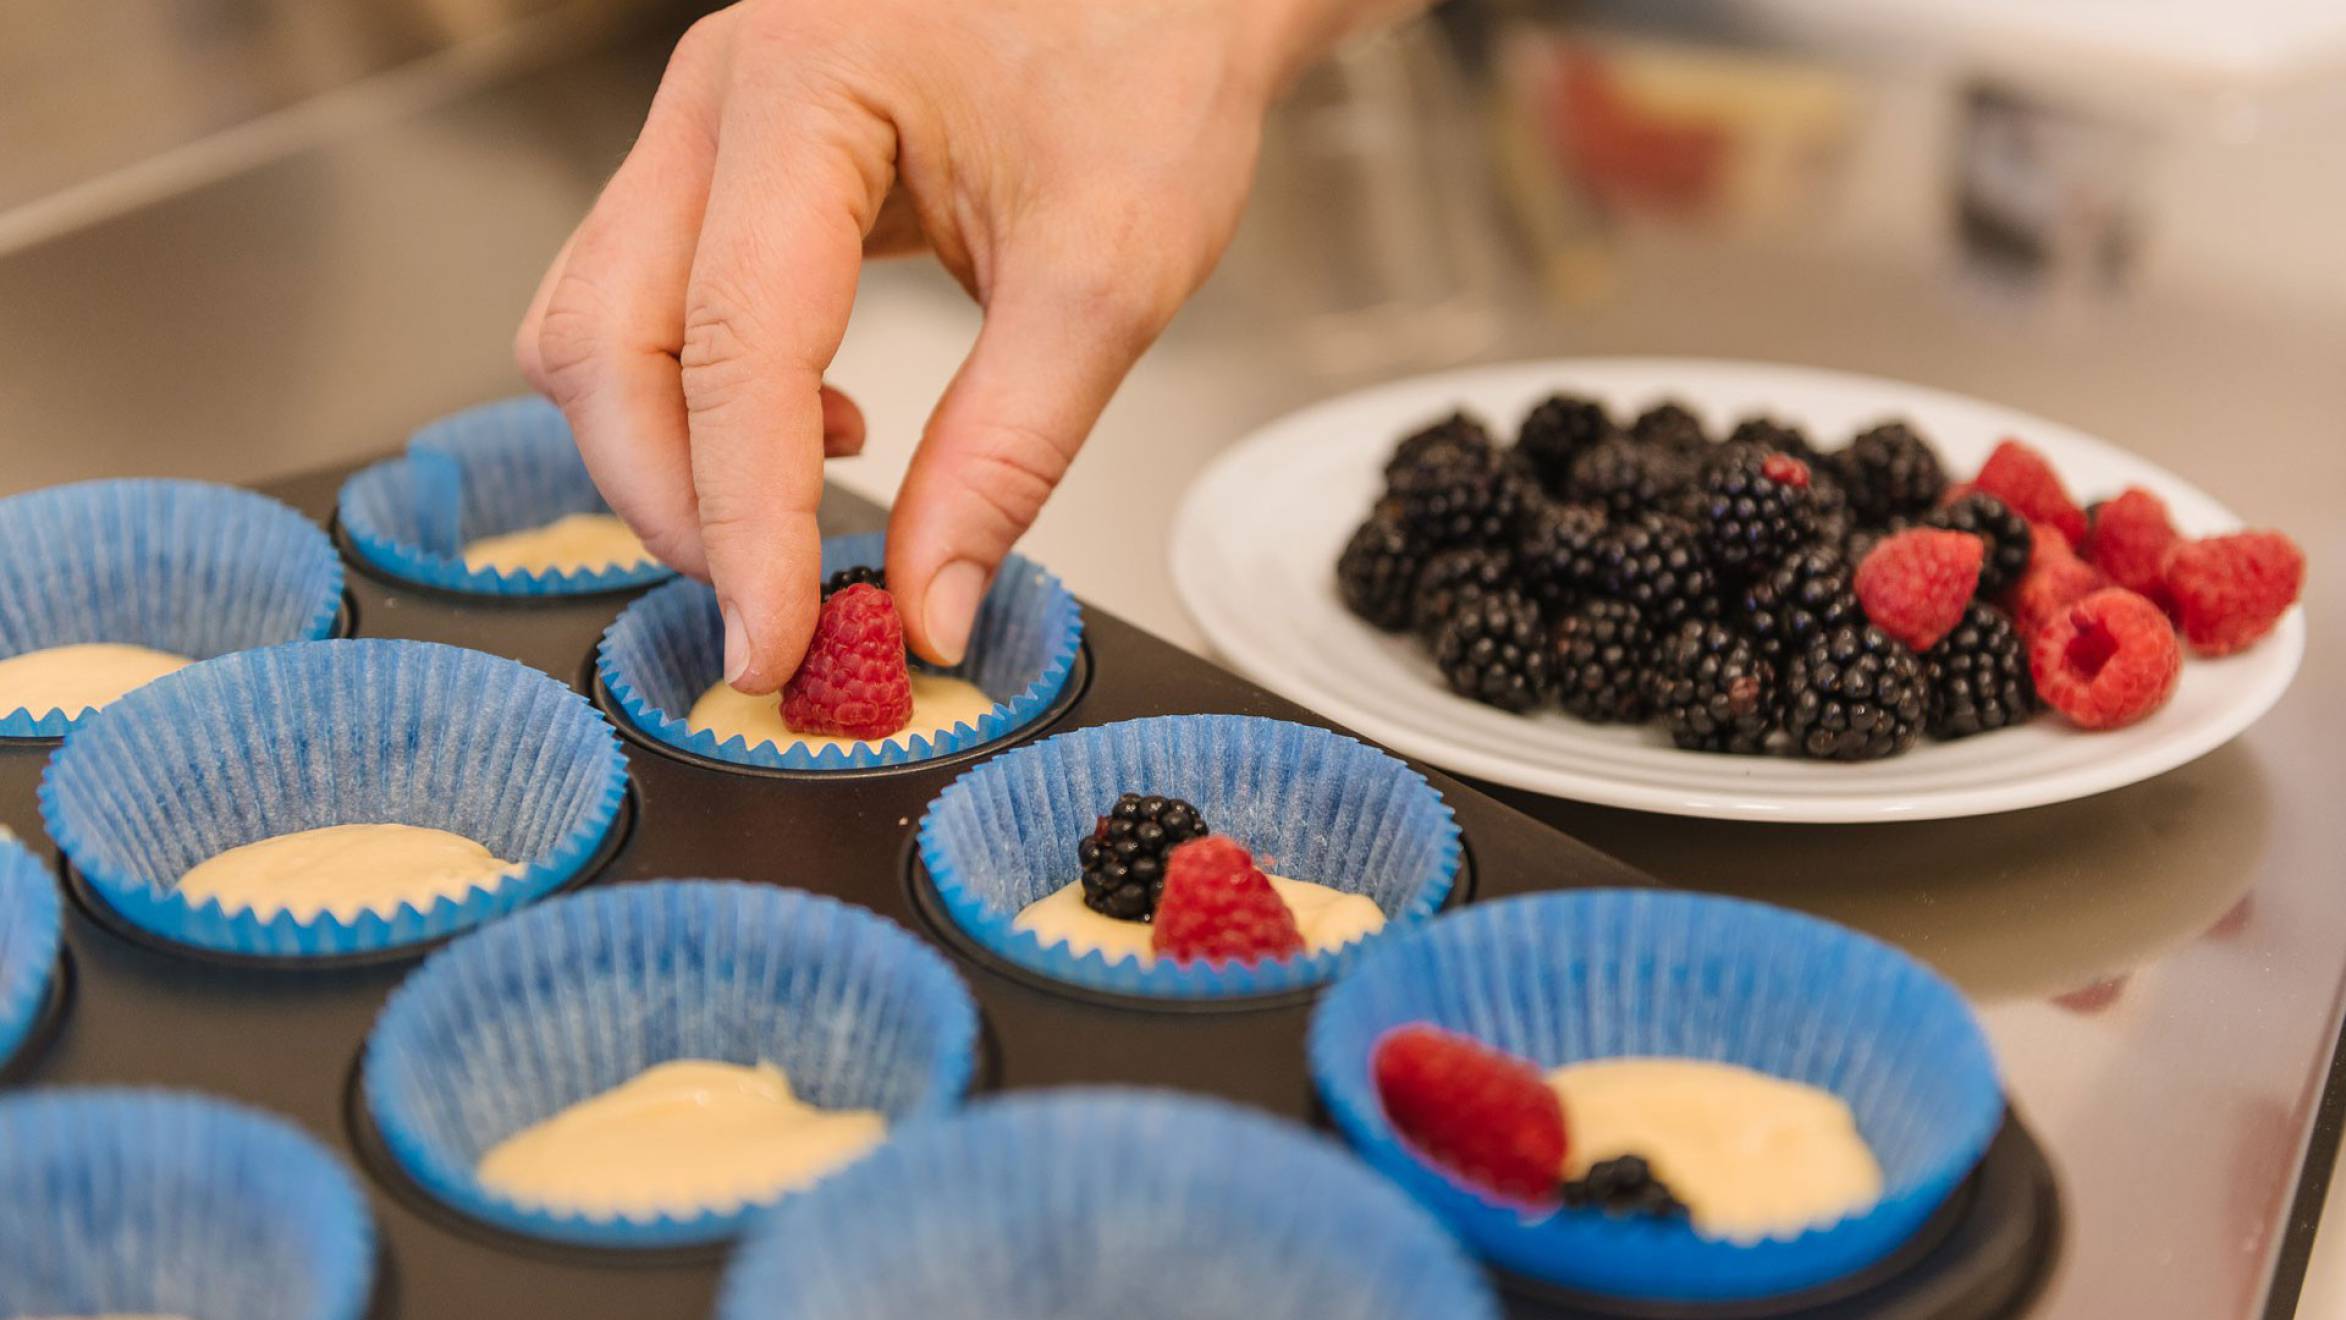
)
(182, 566)
(501, 467)
(1308, 803)
(30, 924)
(511, 1024)
(1567, 977)
(1104, 1202)
(116, 1202)
(668, 648)
(300, 737)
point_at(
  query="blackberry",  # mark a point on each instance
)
(1378, 570)
(2003, 532)
(1672, 426)
(1454, 439)
(1623, 1186)
(1453, 578)
(1495, 651)
(1558, 430)
(1655, 563)
(1853, 695)
(1124, 856)
(1802, 598)
(1556, 557)
(1751, 507)
(1626, 477)
(1712, 690)
(1467, 502)
(861, 574)
(1862, 540)
(1603, 653)
(1768, 433)
(1978, 676)
(1890, 472)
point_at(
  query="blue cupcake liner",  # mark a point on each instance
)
(155, 1202)
(30, 926)
(1561, 978)
(1309, 803)
(501, 467)
(1075, 1204)
(668, 648)
(298, 737)
(511, 1024)
(182, 566)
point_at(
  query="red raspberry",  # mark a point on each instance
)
(2229, 591)
(2056, 579)
(2107, 660)
(1483, 1115)
(1915, 584)
(2020, 476)
(2129, 541)
(853, 681)
(1218, 906)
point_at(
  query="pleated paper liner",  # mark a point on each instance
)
(668, 648)
(1310, 804)
(1080, 1204)
(502, 467)
(290, 738)
(514, 1023)
(134, 1202)
(1589, 974)
(30, 917)
(187, 567)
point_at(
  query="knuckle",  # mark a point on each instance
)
(698, 46)
(1012, 471)
(716, 356)
(571, 343)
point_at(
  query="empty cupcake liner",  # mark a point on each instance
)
(511, 1024)
(1310, 804)
(501, 467)
(668, 648)
(314, 734)
(127, 1202)
(182, 566)
(1075, 1204)
(30, 917)
(1565, 977)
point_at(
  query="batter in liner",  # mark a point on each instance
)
(1329, 919)
(345, 870)
(80, 677)
(938, 703)
(577, 542)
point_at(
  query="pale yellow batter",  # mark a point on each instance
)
(1329, 919)
(938, 704)
(1751, 1156)
(346, 870)
(80, 677)
(680, 1138)
(576, 542)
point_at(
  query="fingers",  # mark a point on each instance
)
(525, 340)
(843, 428)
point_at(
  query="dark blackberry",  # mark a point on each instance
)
(1495, 650)
(1672, 426)
(1456, 438)
(1123, 858)
(1712, 690)
(1377, 573)
(1452, 578)
(1556, 557)
(1603, 654)
(861, 574)
(1861, 540)
(1978, 676)
(1561, 428)
(1751, 507)
(2004, 532)
(1655, 563)
(1625, 1185)
(1626, 477)
(1853, 695)
(1468, 502)
(1801, 599)
(1768, 433)
(1889, 472)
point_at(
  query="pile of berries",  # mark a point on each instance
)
(1755, 593)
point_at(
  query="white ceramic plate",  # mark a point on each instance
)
(1255, 545)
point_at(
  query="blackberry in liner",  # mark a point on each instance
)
(1801, 599)
(1672, 426)
(1453, 578)
(1890, 472)
(1560, 429)
(1853, 695)
(1625, 1185)
(864, 575)
(2004, 533)
(1123, 858)
(1557, 559)
(1751, 507)
(1378, 570)
(1712, 691)
(1603, 653)
(1978, 676)
(1655, 563)
(1456, 438)
(1469, 502)
(1495, 650)
(1626, 477)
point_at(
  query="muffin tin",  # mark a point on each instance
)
(288, 1037)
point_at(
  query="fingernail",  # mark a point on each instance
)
(736, 645)
(952, 607)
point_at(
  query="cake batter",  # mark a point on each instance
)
(578, 542)
(938, 704)
(80, 677)
(1329, 919)
(346, 870)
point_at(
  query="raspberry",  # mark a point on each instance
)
(1914, 585)
(1483, 1115)
(1123, 858)
(2229, 591)
(853, 681)
(2056, 578)
(2020, 476)
(2129, 541)
(2107, 660)
(2003, 532)
(1218, 906)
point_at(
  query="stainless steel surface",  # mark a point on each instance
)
(2161, 967)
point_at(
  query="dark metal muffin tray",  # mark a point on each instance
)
(287, 1037)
